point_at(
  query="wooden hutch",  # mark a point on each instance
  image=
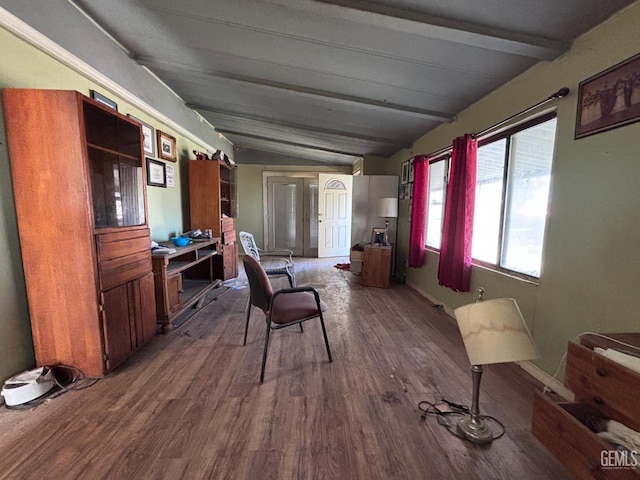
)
(78, 176)
(212, 206)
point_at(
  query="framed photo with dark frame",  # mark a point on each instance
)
(609, 99)
(147, 133)
(98, 97)
(166, 146)
(404, 172)
(156, 173)
(411, 171)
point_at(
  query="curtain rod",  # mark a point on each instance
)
(563, 92)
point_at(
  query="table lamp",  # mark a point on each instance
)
(387, 208)
(493, 331)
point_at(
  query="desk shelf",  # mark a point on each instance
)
(182, 279)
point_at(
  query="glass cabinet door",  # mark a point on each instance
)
(115, 162)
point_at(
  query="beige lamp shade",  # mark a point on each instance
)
(494, 331)
(388, 207)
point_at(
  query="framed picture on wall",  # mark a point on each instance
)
(148, 137)
(166, 146)
(98, 97)
(171, 176)
(609, 99)
(404, 172)
(411, 172)
(156, 173)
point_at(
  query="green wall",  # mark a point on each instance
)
(591, 264)
(250, 194)
(24, 66)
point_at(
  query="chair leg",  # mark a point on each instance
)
(326, 340)
(264, 355)
(246, 327)
(292, 278)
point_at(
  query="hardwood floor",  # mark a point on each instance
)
(190, 406)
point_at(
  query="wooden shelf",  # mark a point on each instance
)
(183, 278)
(113, 152)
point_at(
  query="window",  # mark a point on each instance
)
(435, 201)
(512, 191)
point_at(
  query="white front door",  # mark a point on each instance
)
(334, 215)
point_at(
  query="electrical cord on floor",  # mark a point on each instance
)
(65, 378)
(455, 410)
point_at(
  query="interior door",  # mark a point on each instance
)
(310, 217)
(334, 214)
(286, 214)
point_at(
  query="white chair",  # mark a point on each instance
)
(273, 266)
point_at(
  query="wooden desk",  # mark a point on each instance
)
(376, 269)
(182, 279)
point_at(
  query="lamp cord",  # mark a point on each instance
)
(427, 408)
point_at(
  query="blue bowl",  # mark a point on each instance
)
(180, 241)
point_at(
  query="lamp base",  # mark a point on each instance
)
(475, 430)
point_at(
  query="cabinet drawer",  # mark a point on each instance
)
(119, 244)
(226, 224)
(121, 270)
(229, 237)
(560, 428)
(610, 387)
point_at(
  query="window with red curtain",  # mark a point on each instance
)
(417, 250)
(454, 270)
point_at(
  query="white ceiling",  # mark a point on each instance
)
(328, 81)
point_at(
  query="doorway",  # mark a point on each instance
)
(291, 212)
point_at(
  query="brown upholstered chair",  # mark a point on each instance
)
(284, 308)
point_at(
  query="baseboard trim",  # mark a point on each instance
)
(528, 366)
(547, 380)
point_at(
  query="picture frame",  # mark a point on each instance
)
(409, 191)
(156, 173)
(171, 176)
(401, 192)
(609, 99)
(411, 171)
(379, 237)
(166, 146)
(148, 136)
(98, 97)
(404, 172)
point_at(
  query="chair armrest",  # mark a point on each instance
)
(284, 291)
(279, 252)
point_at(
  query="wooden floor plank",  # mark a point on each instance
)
(189, 404)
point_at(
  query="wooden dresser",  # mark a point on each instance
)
(602, 388)
(376, 268)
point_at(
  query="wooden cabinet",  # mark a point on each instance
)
(211, 194)
(78, 180)
(376, 267)
(212, 205)
(603, 389)
(183, 279)
(225, 265)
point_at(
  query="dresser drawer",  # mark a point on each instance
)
(118, 244)
(560, 427)
(610, 387)
(121, 270)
